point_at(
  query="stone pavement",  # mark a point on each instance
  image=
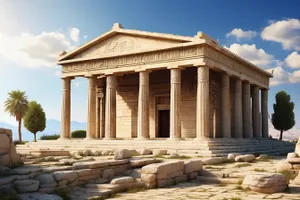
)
(193, 190)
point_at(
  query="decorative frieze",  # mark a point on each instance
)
(144, 58)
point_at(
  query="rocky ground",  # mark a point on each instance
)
(224, 190)
(219, 180)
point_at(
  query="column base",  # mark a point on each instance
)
(141, 138)
(91, 138)
(109, 138)
(175, 138)
(199, 138)
(64, 138)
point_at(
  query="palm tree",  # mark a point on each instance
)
(16, 105)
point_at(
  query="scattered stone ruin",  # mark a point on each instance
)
(8, 153)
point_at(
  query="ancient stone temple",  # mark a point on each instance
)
(152, 85)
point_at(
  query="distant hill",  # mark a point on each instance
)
(53, 127)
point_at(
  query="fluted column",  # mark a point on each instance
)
(255, 112)
(247, 110)
(102, 113)
(143, 106)
(175, 104)
(225, 107)
(264, 110)
(237, 109)
(97, 114)
(110, 107)
(202, 104)
(66, 108)
(91, 121)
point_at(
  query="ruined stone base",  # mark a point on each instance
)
(207, 147)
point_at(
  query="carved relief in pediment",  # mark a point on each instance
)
(121, 43)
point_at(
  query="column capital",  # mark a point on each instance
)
(111, 81)
(144, 78)
(203, 74)
(175, 75)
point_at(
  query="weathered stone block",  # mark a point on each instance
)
(108, 173)
(46, 180)
(27, 185)
(70, 176)
(180, 179)
(122, 180)
(122, 154)
(193, 166)
(266, 183)
(148, 177)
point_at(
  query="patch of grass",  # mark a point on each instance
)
(222, 184)
(243, 165)
(159, 156)
(115, 195)
(135, 153)
(259, 170)
(179, 157)
(63, 194)
(289, 174)
(212, 167)
(50, 137)
(9, 197)
(240, 182)
(135, 190)
(239, 187)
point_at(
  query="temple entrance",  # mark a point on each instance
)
(164, 123)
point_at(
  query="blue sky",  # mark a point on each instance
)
(33, 32)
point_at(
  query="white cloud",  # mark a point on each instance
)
(295, 77)
(85, 37)
(251, 53)
(28, 50)
(239, 34)
(280, 76)
(286, 32)
(76, 83)
(293, 60)
(74, 34)
(58, 73)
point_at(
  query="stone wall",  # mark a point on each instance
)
(159, 91)
(48, 179)
(8, 153)
(170, 173)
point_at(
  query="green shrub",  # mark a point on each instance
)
(18, 142)
(78, 134)
(50, 137)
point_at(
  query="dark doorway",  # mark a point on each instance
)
(164, 123)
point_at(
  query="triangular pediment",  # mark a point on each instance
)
(122, 41)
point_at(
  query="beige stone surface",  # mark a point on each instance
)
(122, 154)
(266, 182)
(8, 153)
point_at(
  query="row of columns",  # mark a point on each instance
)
(243, 115)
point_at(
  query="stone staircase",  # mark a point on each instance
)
(206, 147)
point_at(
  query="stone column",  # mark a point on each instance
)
(97, 114)
(247, 110)
(202, 102)
(225, 107)
(102, 113)
(99, 108)
(255, 112)
(264, 110)
(91, 121)
(143, 106)
(110, 107)
(175, 104)
(66, 108)
(237, 109)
